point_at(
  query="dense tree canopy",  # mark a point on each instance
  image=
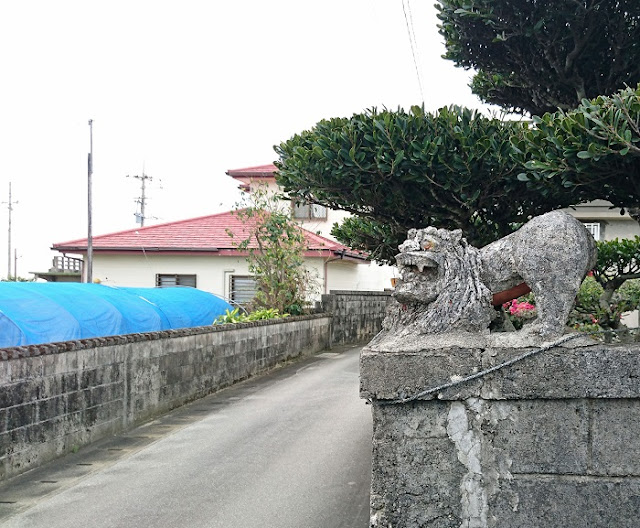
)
(592, 151)
(458, 169)
(542, 55)
(398, 170)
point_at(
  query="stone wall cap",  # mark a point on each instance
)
(388, 342)
(594, 371)
(98, 342)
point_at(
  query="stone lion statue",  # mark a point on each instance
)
(446, 285)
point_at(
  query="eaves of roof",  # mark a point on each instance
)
(69, 248)
(203, 235)
(259, 171)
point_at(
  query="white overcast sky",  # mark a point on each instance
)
(186, 89)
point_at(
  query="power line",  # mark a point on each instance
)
(412, 41)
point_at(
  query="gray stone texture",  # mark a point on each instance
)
(550, 441)
(446, 285)
(55, 402)
(357, 315)
(552, 253)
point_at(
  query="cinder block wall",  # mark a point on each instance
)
(551, 441)
(357, 315)
(57, 397)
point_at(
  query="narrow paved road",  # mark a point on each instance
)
(288, 450)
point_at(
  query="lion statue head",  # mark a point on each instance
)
(439, 287)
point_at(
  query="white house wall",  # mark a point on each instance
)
(612, 223)
(324, 226)
(367, 277)
(213, 273)
(619, 229)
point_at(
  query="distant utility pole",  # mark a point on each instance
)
(142, 200)
(10, 207)
(89, 276)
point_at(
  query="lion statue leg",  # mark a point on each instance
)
(552, 254)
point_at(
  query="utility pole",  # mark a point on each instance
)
(142, 200)
(89, 274)
(10, 207)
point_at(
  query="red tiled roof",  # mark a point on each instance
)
(259, 171)
(206, 234)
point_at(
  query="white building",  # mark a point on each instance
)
(199, 252)
(605, 222)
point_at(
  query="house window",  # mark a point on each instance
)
(242, 289)
(307, 211)
(165, 281)
(593, 228)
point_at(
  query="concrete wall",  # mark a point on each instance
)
(57, 397)
(552, 441)
(357, 316)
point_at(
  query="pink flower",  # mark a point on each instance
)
(519, 309)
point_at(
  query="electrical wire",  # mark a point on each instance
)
(412, 41)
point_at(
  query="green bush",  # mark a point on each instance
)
(590, 314)
(586, 310)
(231, 316)
(235, 316)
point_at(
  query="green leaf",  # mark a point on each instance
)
(535, 164)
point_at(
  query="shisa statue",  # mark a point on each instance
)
(445, 285)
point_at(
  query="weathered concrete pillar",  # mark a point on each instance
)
(550, 441)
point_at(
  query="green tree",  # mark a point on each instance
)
(538, 56)
(593, 151)
(398, 170)
(613, 288)
(275, 245)
(618, 262)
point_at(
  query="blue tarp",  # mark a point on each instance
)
(33, 313)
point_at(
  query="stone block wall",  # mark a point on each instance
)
(57, 397)
(551, 441)
(357, 315)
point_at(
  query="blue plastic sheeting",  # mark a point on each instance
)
(33, 313)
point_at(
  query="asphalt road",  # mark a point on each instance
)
(291, 449)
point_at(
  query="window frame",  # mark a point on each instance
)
(180, 278)
(595, 228)
(310, 214)
(245, 299)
